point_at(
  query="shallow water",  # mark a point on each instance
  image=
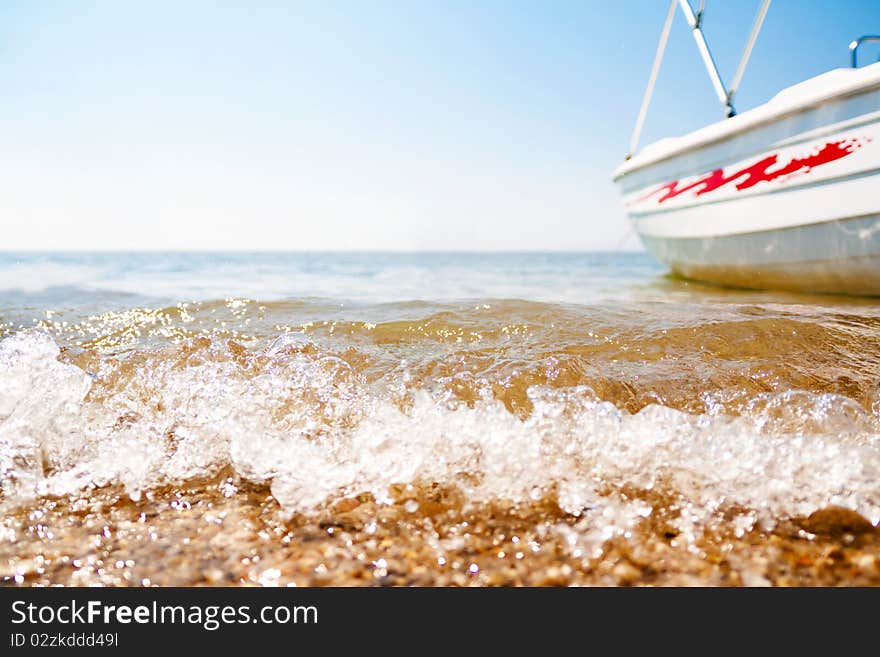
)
(587, 398)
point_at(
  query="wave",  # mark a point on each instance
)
(343, 409)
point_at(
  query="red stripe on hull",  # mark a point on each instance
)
(761, 171)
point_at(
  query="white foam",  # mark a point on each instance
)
(314, 430)
(39, 401)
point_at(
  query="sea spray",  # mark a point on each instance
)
(307, 423)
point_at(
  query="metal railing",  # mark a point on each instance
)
(694, 21)
(854, 47)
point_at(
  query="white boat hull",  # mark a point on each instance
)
(786, 200)
(840, 256)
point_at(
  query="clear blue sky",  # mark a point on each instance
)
(480, 124)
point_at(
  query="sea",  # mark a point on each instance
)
(429, 418)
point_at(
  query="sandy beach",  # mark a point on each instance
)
(224, 533)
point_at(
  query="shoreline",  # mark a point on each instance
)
(229, 533)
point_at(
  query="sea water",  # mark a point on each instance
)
(591, 384)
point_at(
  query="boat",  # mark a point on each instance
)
(783, 196)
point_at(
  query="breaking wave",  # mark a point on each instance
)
(720, 417)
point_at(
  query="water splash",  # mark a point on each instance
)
(318, 425)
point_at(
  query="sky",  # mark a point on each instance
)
(361, 125)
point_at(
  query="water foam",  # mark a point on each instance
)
(314, 428)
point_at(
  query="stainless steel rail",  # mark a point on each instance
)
(747, 51)
(694, 21)
(854, 46)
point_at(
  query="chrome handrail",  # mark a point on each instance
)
(694, 21)
(854, 46)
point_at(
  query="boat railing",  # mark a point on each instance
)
(695, 22)
(854, 47)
